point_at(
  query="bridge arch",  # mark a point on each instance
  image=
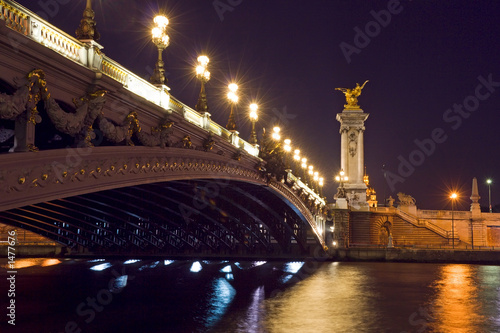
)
(153, 144)
(155, 200)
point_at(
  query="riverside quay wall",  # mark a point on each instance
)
(416, 255)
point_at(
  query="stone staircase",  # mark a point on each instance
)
(426, 232)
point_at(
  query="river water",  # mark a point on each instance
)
(68, 295)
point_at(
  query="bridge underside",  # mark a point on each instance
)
(204, 216)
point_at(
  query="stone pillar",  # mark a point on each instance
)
(352, 155)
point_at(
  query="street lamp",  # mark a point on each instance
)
(276, 133)
(341, 178)
(253, 119)
(204, 76)
(233, 99)
(316, 180)
(304, 167)
(287, 148)
(489, 181)
(310, 171)
(453, 196)
(161, 40)
(296, 163)
(321, 183)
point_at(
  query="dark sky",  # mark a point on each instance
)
(423, 62)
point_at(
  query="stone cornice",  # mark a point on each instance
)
(27, 178)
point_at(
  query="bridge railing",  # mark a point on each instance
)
(87, 53)
(443, 214)
(295, 180)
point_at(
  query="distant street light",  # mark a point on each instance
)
(489, 181)
(161, 40)
(453, 196)
(253, 118)
(204, 76)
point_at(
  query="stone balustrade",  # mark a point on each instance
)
(87, 53)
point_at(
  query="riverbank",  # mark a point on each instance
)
(31, 251)
(416, 255)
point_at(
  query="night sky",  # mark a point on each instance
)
(429, 64)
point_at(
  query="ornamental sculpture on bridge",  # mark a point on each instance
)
(406, 200)
(351, 96)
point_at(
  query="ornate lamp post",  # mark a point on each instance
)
(161, 40)
(321, 183)
(253, 118)
(304, 168)
(316, 180)
(296, 158)
(233, 99)
(453, 196)
(341, 178)
(310, 172)
(276, 133)
(489, 181)
(287, 148)
(87, 29)
(204, 76)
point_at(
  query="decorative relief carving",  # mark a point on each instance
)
(209, 143)
(344, 128)
(185, 143)
(353, 143)
(31, 90)
(41, 177)
(78, 124)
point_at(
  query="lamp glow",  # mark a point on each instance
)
(276, 133)
(253, 118)
(203, 75)
(233, 99)
(489, 181)
(161, 21)
(161, 40)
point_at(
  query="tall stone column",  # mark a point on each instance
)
(352, 127)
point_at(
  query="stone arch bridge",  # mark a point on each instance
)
(101, 161)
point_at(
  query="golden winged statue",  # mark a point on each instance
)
(351, 95)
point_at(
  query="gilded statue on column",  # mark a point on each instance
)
(351, 96)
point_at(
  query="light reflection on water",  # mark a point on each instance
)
(166, 296)
(221, 295)
(28, 262)
(331, 300)
(464, 298)
(252, 321)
